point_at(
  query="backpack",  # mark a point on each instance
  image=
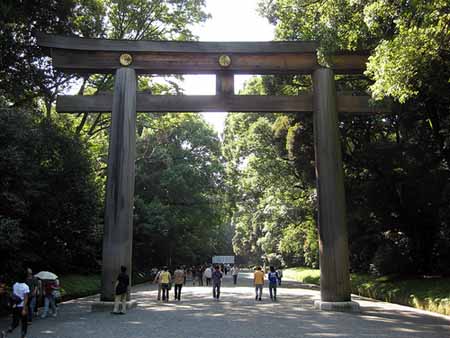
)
(123, 283)
(273, 277)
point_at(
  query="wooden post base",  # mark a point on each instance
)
(337, 306)
(109, 306)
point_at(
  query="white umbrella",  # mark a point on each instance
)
(46, 275)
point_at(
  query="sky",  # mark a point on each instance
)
(232, 20)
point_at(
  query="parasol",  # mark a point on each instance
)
(46, 275)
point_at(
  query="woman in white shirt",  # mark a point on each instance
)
(20, 306)
(208, 275)
(234, 273)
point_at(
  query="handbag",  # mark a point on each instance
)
(56, 294)
(15, 300)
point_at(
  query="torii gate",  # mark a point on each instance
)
(126, 58)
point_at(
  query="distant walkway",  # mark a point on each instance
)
(237, 314)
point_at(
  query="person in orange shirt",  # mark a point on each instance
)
(258, 281)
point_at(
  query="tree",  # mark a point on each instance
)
(268, 203)
(25, 73)
(407, 39)
(49, 201)
(178, 216)
(396, 167)
(141, 20)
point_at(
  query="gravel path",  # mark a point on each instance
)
(237, 314)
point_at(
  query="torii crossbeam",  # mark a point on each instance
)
(128, 58)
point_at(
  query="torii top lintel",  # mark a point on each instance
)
(82, 55)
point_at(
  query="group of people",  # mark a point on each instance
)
(211, 274)
(24, 298)
(164, 279)
(179, 277)
(26, 292)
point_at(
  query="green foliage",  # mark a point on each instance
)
(48, 195)
(396, 167)
(408, 38)
(154, 19)
(25, 73)
(302, 274)
(12, 238)
(138, 20)
(75, 286)
(82, 285)
(178, 217)
(396, 172)
(397, 183)
(430, 294)
(270, 210)
(53, 191)
(299, 244)
(421, 39)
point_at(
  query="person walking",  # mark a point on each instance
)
(185, 273)
(216, 282)
(234, 273)
(178, 280)
(273, 281)
(19, 302)
(157, 280)
(208, 275)
(165, 279)
(280, 275)
(5, 297)
(194, 275)
(32, 283)
(5, 300)
(121, 291)
(188, 275)
(49, 298)
(200, 275)
(258, 281)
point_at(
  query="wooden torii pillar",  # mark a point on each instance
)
(118, 229)
(125, 58)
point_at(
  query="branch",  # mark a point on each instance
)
(82, 123)
(99, 130)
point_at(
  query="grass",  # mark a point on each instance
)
(304, 275)
(75, 286)
(432, 294)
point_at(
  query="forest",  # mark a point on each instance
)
(252, 190)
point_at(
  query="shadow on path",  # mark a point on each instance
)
(237, 314)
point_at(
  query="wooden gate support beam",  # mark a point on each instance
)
(333, 238)
(222, 102)
(118, 231)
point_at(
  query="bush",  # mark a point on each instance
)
(391, 256)
(274, 260)
(49, 201)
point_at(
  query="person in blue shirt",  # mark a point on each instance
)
(273, 280)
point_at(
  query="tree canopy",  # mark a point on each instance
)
(178, 217)
(396, 166)
(49, 196)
